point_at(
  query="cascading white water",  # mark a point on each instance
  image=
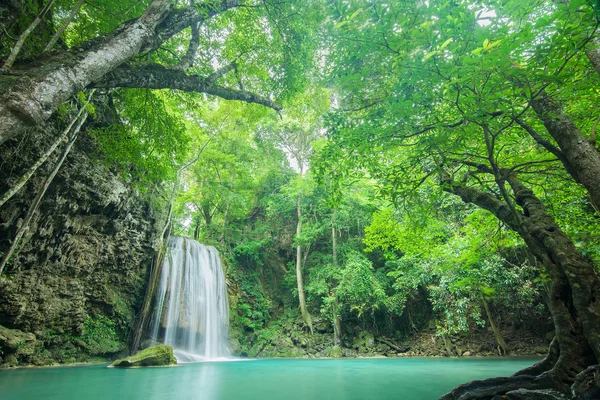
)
(192, 313)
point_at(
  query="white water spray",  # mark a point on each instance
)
(192, 313)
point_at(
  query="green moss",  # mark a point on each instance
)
(159, 355)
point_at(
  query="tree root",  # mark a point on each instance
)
(489, 388)
(546, 364)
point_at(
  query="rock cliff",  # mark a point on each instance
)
(77, 281)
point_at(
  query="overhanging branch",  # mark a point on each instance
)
(158, 77)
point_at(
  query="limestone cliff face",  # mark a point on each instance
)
(79, 275)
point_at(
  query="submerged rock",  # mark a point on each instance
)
(155, 356)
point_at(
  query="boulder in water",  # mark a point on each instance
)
(155, 356)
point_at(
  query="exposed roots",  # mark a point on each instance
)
(546, 364)
(489, 388)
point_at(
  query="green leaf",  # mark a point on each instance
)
(430, 54)
(446, 43)
(355, 14)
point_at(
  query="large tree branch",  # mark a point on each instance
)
(178, 20)
(158, 77)
(548, 146)
(32, 97)
(577, 150)
(483, 200)
(219, 73)
(188, 60)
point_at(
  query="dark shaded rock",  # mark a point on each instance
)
(587, 384)
(155, 356)
(524, 394)
(78, 278)
(15, 344)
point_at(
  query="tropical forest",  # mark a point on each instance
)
(300, 199)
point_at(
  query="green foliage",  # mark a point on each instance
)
(252, 309)
(153, 142)
(100, 336)
(359, 289)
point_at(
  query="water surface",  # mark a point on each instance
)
(268, 379)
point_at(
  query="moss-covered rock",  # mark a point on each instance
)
(155, 356)
(15, 344)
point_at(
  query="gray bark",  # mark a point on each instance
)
(158, 77)
(581, 155)
(497, 334)
(593, 54)
(32, 97)
(302, 300)
(188, 60)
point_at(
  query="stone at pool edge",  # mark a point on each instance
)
(155, 356)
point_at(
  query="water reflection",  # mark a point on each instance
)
(355, 379)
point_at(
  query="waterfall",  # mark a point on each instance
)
(192, 313)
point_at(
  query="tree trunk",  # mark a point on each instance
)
(501, 344)
(142, 319)
(21, 40)
(337, 322)
(33, 97)
(305, 314)
(227, 210)
(574, 294)
(38, 199)
(579, 286)
(580, 153)
(64, 26)
(593, 54)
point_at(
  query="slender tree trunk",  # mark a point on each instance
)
(64, 26)
(27, 175)
(580, 153)
(38, 199)
(305, 314)
(141, 322)
(227, 209)
(502, 345)
(337, 322)
(197, 228)
(21, 40)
